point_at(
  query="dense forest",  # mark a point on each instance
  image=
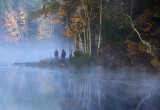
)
(121, 32)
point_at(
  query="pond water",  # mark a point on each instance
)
(28, 88)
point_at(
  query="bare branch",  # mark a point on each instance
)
(147, 44)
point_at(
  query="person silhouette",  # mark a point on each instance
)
(63, 55)
(56, 56)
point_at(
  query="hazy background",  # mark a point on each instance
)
(28, 50)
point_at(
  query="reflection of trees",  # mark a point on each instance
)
(143, 100)
(76, 91)
(15, 80)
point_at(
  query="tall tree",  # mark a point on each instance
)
(100, 27)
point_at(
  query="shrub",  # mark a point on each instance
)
(81, 59)
(156, 63)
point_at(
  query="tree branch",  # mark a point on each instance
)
(147, 44)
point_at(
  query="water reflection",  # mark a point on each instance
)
(26, 88)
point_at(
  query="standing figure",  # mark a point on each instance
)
(56, 56)
(63, 55)
(71, 55)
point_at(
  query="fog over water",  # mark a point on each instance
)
(28, 88)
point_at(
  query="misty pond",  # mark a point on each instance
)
(28, 88)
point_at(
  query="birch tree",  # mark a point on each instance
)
(123, 5)
(100, 27)
(44, 29)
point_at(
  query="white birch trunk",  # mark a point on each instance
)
(100, 29)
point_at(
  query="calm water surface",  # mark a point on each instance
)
(27, 88)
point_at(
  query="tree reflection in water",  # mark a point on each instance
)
(30, 88)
